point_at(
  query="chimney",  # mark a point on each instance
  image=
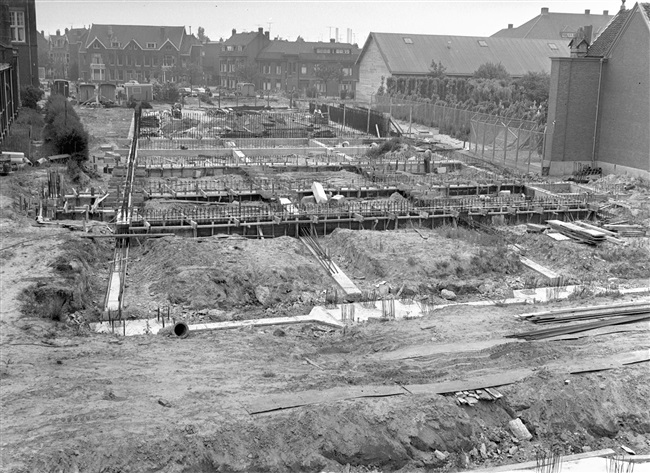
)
(510, 25)
(587, 12)
(544, 10)
(268, 35)
(581, 41)
(66, 30)
(622, 5)
(260, 30)
(332, 40)
(234, 31)
(58, 32)
(110, 31)
(605, 12)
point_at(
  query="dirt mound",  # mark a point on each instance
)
(424, 262)
(226, 273)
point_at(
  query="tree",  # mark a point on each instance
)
(246, 72)
(73, 72)
(535, 86)
(30, 95)
(329, 72)
(489, 70)
(202, 37)
(437, 70)
(300, 39)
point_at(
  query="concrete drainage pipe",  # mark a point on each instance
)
(181, 330)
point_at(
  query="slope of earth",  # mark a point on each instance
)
(152, 403)
(229, 277)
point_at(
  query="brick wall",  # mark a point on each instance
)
(624, 118)
(572, 112)
(371, 69)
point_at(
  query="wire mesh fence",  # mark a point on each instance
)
(509, 144)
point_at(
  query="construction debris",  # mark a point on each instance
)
(584, 235)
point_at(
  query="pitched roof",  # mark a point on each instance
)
(407, 54)
(602, 44)
(307, 50)
(142, 34)
(76, 35)
(241, 39)
(551, 25)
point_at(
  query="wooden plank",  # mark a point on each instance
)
(574, 310)
(595, 333)
(435, 349)
(478, 382)
(547, 273)
(274, 402)
(128, 235)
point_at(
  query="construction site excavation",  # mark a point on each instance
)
(325, 290)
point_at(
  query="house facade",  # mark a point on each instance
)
(238, 58)
(18, 27)
(599, 103)
(407, 55)
(298, 66)
(120, 53)
(556, 25)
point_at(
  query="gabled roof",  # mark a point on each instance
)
(142, 34)
(409, 54)
(604, 42)
(241, 39)
(551, 25)
(76, 35)
(189, 41)
(307, 50)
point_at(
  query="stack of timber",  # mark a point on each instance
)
(627, 230)
(609, 235)
(605, 315)
(576, 232)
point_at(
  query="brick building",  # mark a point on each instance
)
(238, 58)
(599, 104)
(18, 28)
(119, 53)
(295, 65)
(408, 55)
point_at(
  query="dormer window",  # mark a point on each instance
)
(152, 45)
(408, 40)
(115, 44)
(482, 43)
(241, 48)
(553, 46)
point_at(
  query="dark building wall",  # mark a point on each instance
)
(624, 118)
(572, 113)
(28, 49)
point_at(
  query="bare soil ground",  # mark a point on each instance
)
(76, 401)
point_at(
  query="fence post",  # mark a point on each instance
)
(368, 125)
(517, 147)
(505, 143)
(484, 138)
(494, 142)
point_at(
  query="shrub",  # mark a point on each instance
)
(64, 130)
(312, 92)
(30, 95)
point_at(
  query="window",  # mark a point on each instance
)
(267, 85)
(266, 69)
(408, 40)
(137, 61)
(323, 51)
(303, 69)
(482, 43)
(129, 61)
(342, 51)
(168, 61)
(240, 48)
(224, 67)
(223, 48)
(96, 59)
(231, 68)
(168, 47)
(115, 44)
(147, 61)
(111, 60)
(278, 70)
(347, 71)
(553, 46)
(17, 20)
(119, 60)
(230, 48)
(277, 84)
(152, 45)
(154, 61)
(95, 45)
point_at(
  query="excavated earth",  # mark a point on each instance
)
(76, 401)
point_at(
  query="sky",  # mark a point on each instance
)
(314, 20)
